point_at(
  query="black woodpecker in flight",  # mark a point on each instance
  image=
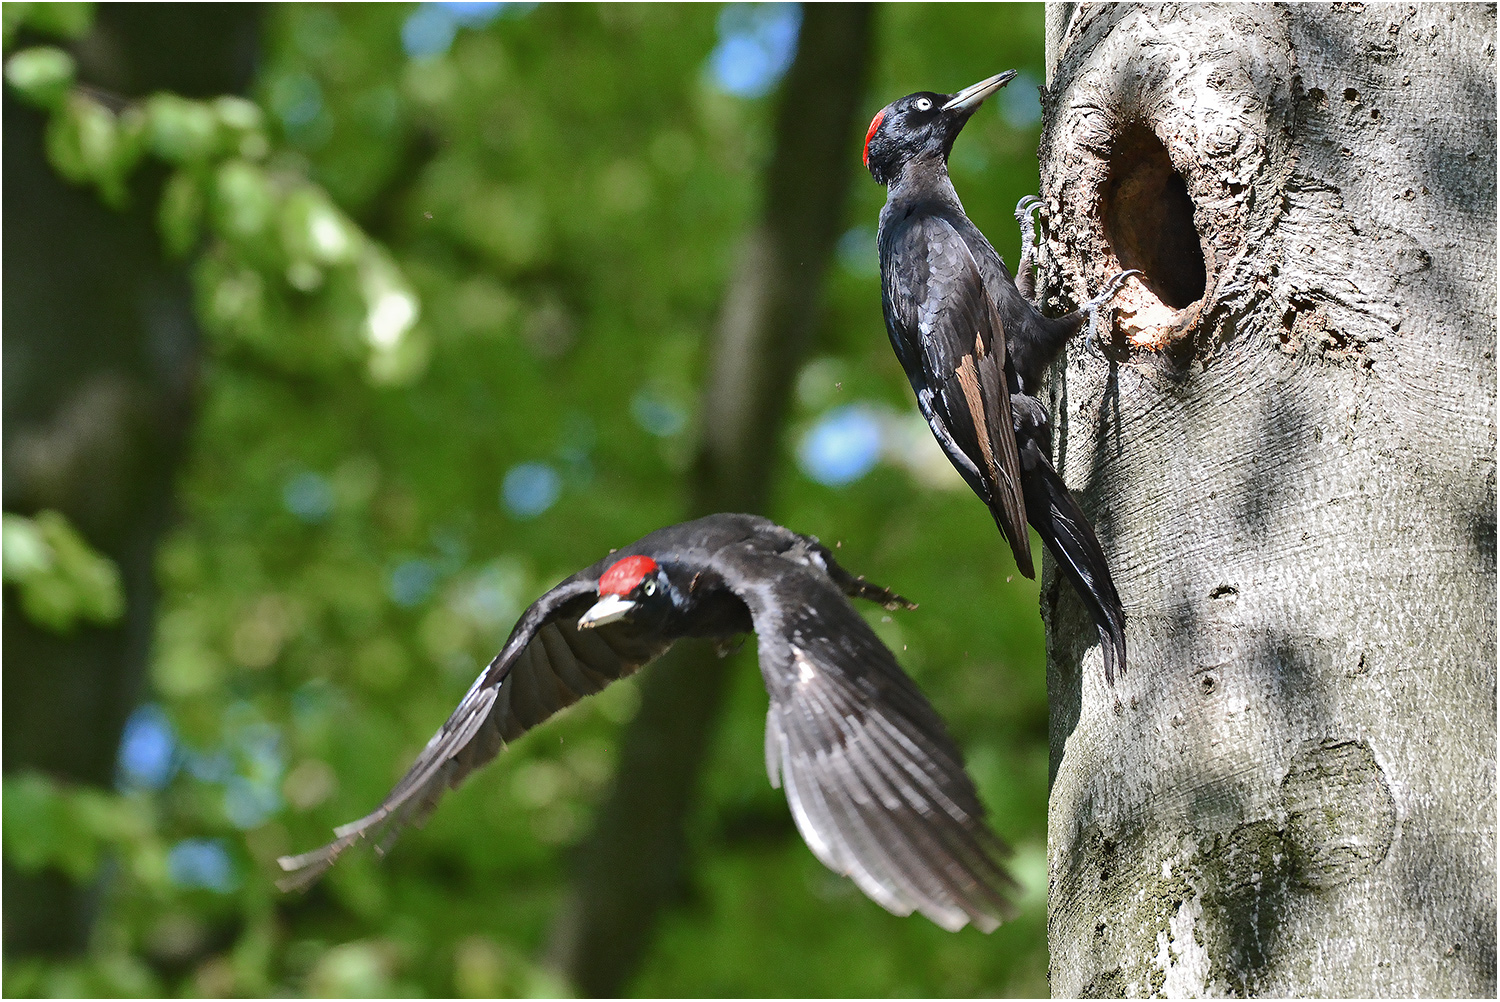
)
(975, 348)
(875, 784)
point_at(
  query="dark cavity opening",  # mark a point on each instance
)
(1148, 219)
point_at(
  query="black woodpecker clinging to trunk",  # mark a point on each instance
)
(975, 348)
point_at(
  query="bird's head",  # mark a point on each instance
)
(923, 126)
(634, 589)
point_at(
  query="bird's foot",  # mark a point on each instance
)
(1089, 338)
(1110, 288)
(1094, 308)
(1027, 212)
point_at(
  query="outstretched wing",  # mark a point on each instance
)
(875, 784)
(546, 665)
(949, 338)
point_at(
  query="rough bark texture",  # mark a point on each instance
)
(101, 353)
(633, 861)
(1290, 456)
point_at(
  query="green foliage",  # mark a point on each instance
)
(89, 144)
(61, 20)
(72, 828)
(419, 275)
(59, 578)
(182, 131)
(41, 75)
(269, 238)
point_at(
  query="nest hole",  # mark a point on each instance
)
(1148, 219)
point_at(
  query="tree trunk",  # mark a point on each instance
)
(101, 353)
(633, 861)
(1290, 457)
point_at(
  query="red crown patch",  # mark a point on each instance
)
(624, 575)
(874, 125)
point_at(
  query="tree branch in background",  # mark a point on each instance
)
(628, 867)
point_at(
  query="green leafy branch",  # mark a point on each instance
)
(60, 578)
(267, 237)
(73, 828)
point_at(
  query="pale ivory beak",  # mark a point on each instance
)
(974, 94)
(609, 609)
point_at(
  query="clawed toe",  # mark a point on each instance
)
(1026, 215)
(1095, 307)
(1110, 288)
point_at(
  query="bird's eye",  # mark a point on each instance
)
(649, 588)
(923, 104)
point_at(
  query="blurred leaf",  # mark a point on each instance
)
(12, 16)
(246, 123)
(65, 20)
(109, 973)
(67, 827)
(26, 552)
(87, 143)
(243, 202)
(41, 75)
(180, 217)
(181, 131)
(82, 139)
(131, 146)
(34, 819)
(184, 663)
(61, 580)
(315, 232)
(354, 970)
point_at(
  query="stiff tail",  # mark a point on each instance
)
(1021, 549)
(1052, 511)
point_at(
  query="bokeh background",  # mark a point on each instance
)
(333, 336)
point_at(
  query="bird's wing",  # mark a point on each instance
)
(950, 340)
(546, 665)
(875, 784)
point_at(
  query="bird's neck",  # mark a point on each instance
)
(924, 179)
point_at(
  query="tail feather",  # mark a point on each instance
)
(1022, 553)
(1052, 511)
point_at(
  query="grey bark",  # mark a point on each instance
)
(633, 861)
(1290, 456)
(101, 353)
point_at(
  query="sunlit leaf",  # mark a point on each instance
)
(82, 139)
(180, 216)
(243, 201)
(60, 578)
(41, 75)
(181, 131)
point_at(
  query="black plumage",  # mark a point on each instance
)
(975, 348)
(876, 785)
